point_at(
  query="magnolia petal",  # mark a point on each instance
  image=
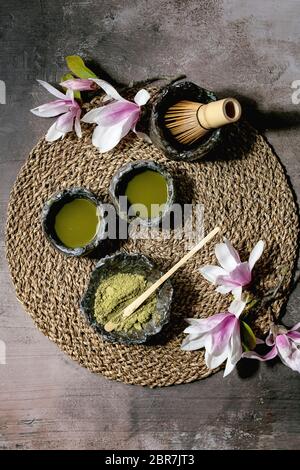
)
(294, 335)
(221, 335)
(223, 289)
(106, 138)
(237, 293)
(193, 336)
(51, 109)
(70, 96)
(226, 282)
(213, 361)
(211, 273)
(236, 307)
(204, 325)
(77, 125)
(254, 355)
(65, 122)
(92, 117)
(225, 257)
(113, 113)
(288, 352)
(79, 84)
(295, 327)
(256, 253)
(193, 321)
(235, 349)
(241, 275)
(142, 97)
(229, 367)
(282, 342)
(232, 251)
(54, 134)
(118, 111)
(52, 90)
(192, 330)
(191, 344)
(69, 76)
(108, 88)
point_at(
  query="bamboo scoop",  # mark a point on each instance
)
(130, 309)
(189, 121)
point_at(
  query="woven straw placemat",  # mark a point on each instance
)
(243, 189)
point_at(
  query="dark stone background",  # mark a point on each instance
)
(248, 49)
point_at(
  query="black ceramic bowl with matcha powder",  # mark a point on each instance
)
(73, 221)
(143, 191)
(115, 283)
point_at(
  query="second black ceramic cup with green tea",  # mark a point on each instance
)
(73, 221)
(144, 191)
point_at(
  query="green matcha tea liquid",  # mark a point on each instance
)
(76, 223)
(148, 189)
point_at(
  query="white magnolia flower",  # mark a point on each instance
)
(115, 119)
(219, 335)
(66, 107)
(284, 343)
(232, 275)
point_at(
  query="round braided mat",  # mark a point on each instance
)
(243, 189)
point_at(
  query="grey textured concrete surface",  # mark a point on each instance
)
(249, 49)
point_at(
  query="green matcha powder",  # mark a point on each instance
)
(118, 291)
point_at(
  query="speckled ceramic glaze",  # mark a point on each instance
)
(125, 174)
(133, 263)
(162, 137)
(53, 206)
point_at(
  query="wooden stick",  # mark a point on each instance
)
(130, 309)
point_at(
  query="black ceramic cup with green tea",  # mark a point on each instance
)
(115, 282)
(73, 221)
(142, 190)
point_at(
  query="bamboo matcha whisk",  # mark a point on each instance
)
(189, 121)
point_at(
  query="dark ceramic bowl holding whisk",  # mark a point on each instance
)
(162, 137)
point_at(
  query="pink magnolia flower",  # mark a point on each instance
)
(285, 344)
(65, 107)
(115, 119)
(80, 84)
(219, 335)
(232, 275)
